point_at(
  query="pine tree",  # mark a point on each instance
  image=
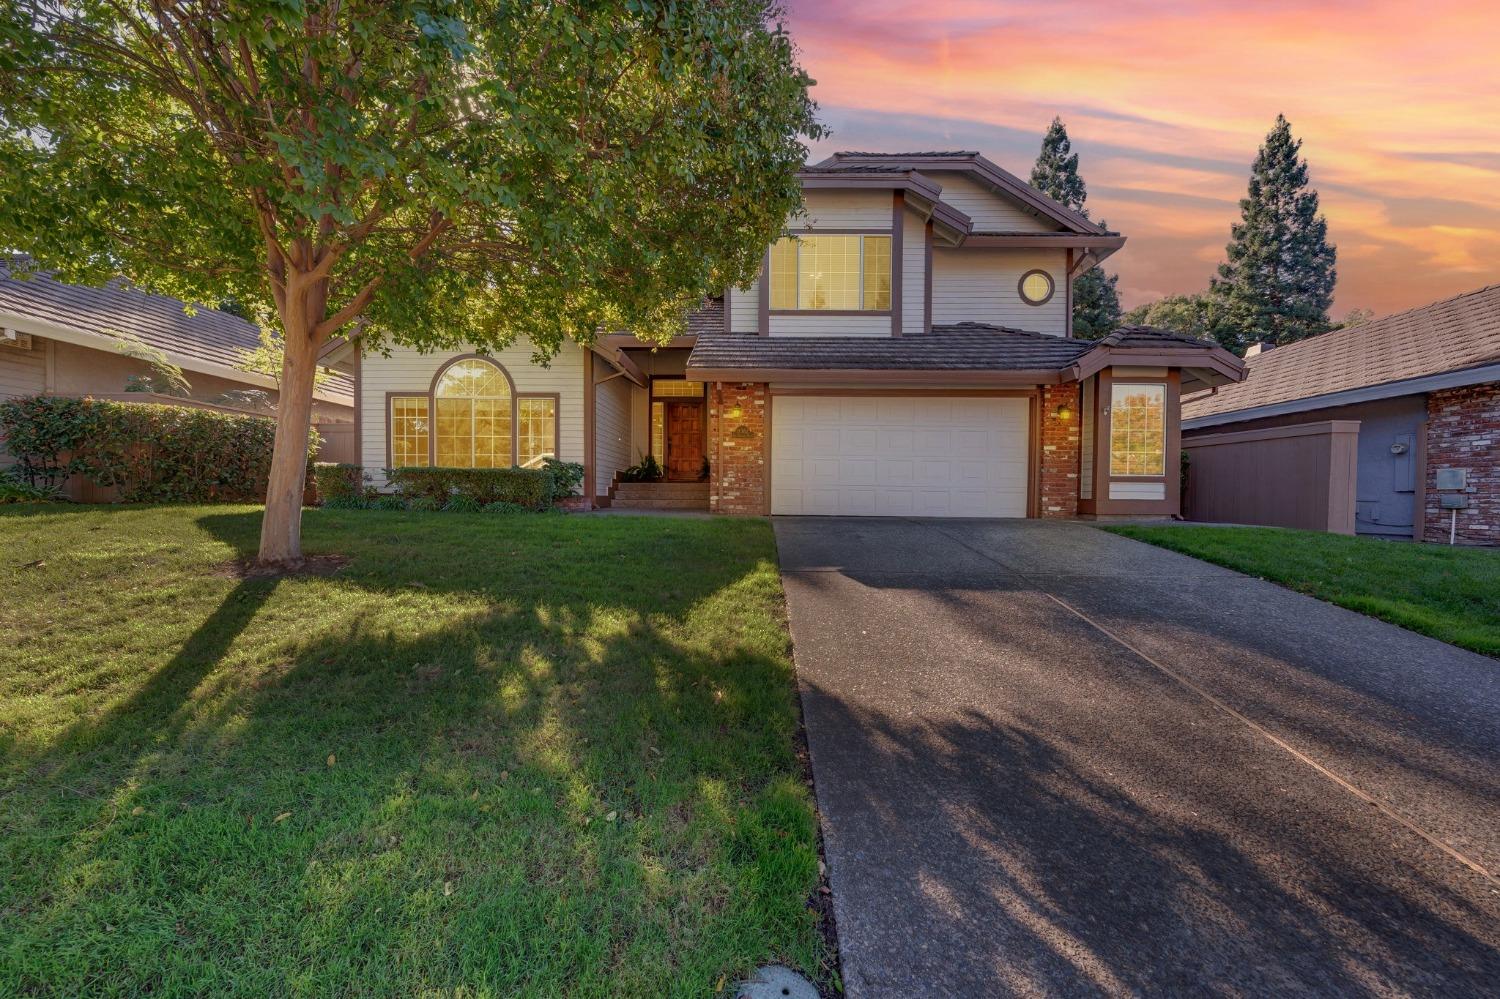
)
(1277, 282)
(1096, 304)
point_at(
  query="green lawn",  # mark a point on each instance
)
(1452, 594)
(492, 755)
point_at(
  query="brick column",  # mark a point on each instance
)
(737, 448)
(1463, 431)
(1061, 444)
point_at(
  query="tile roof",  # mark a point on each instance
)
(707, 318)
(929, 154)
(116, 309)
(955, 347)
(1460, 332)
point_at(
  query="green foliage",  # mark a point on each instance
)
(500, 506)
(388, 501)
(424, 504)
(448, 171)
(1096, 303)
(528, 487)
(14, 489)
(1190, 315)
(151, 453)
(346, 503)
(266, 358)
(1276, 284)
(338, 481)
(567, 476)
(648, 469)
(462, 504)
(165, 378)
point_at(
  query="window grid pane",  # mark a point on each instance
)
(828, 273)
(676, 387)
(1137, 430)
(408, 431)
(455, 433)
(536, 431)
(658, 430)
(784, 273)
(877, 293)
(473, 416)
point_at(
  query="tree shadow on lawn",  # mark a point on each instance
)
(484, 772)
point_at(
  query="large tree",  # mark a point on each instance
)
(1276, 283)
(436, 172)
(1191, 315)
(1096, 304)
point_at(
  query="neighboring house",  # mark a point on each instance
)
(906, 350)
(1423, 391)
(64, 339)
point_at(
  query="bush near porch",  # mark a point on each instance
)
(490, 755)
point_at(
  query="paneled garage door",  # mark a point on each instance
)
(917, 456)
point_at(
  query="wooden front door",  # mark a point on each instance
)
(685, 439)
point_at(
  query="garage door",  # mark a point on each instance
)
(863, 456)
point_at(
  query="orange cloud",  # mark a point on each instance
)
(1167, 103)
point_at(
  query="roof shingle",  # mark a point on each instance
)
(954, 347)
(1460, 332)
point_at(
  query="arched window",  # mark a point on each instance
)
(473, 417)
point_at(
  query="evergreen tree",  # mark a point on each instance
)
(1096, 304)
(1276, 284)
(1191, 315)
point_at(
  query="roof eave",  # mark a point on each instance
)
(1217, 365)
(992, 377)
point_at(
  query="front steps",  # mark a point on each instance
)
(659, 496)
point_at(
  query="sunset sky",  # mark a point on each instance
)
(1397, 104)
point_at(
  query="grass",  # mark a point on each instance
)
(1452, 594)
(492, 755)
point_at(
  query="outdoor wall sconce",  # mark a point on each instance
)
(734, 412)
(1065, 412)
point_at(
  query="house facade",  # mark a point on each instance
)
(906, 350)
(1417, 392)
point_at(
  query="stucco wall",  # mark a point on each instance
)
(409, 371)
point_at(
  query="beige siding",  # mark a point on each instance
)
(913, 271)
(744, 308)
(981, 286)
(811, 324)
(408, 370)
(23, 372)
(844, 210)
(612, 433)
(990, 211)
(640, 423)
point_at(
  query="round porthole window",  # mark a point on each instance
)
(1036, 287)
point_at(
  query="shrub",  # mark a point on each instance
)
(528, 487)
(346, 503)
(500, 506)
(648, 469)
(423, 504)
(338, 482)
(151, 453)
(388, 501)
(14, 490)
(462, 504)
(566, 476)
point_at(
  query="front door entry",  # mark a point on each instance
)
(684, 420)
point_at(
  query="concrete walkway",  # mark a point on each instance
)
(1052, 761)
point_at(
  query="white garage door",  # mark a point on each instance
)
(919, 456)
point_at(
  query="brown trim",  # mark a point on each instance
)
(628, 341)
(764, 304)
(1170, 505)
(927, 279)
(898, 233)
(556, 398)
(1034, 456)
(359, 411)
(588, 429)
(908, 181)
(1051, 240)
(875, 231)
(432, 402)
(765, 456)
(1215, 359)
(999, 378)
(911, 392)
(1051, 287)
(1068, 295)
(1419, 495)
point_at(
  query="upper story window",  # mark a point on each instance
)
(1137, 429)
(819, 273)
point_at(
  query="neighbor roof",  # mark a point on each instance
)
(116, 310)
(1449, 336)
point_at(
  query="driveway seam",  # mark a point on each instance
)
(1254, 726)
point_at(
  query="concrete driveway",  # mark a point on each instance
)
(1052, 761)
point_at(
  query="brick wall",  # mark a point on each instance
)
(1463, 431)
(737, 454)
(1061, 444)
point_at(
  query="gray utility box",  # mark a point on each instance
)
(1454, 501)
(1452, 478)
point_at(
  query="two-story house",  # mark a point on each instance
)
(905, 351)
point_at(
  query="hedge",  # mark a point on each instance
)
(151, 453)
(339, 482)
(532, 488)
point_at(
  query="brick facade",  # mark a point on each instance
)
(1463, 431)
(737, 448)
(1062, 443)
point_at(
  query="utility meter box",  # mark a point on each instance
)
(1454, 501)
(1452, 478)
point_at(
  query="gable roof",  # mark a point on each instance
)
(1384, 357)
(971, 162)
(206, 340)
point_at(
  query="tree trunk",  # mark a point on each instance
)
(281, 528)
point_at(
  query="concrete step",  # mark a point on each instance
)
(662, 490)
(659, 504)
